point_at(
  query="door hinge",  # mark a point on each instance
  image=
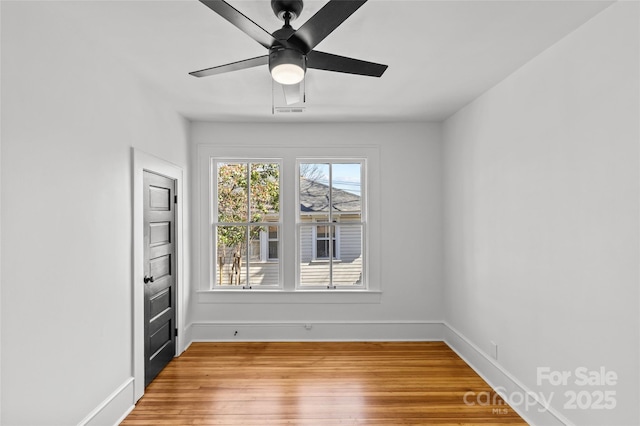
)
(176, 332)
(175, 199)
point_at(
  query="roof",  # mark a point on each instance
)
(314, 198)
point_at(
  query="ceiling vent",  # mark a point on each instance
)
(278, 110)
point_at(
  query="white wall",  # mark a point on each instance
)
(70, 113)
(541, 215)
(409, 216)
(541, 210)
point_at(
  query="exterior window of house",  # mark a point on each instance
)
(269, 242)
(272, 243)
(330, 224)
(246, 207)
(325, 236)
(326, 242)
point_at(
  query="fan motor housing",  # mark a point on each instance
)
(279, 55)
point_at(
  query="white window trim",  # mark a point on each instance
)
(205, 153)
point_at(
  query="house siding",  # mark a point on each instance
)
(350, 242)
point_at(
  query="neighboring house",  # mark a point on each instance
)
(314, 207)
(345, 238)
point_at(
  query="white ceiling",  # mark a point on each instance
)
(441, 54)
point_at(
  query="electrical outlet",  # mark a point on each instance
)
(494, 350)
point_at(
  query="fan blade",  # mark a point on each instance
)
(330, 62)
(245, 24)
(292, 93)
(324, 22)
(234, 66)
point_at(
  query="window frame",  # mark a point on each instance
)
(214, 223)
(207, 152)
(334, 223)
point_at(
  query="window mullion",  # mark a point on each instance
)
(330, 228)
(246, 256)
(248, 227)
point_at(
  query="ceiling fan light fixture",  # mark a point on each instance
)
(287, 66)
(287, 74)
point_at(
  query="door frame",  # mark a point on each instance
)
(141, 162)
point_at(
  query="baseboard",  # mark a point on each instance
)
(533, 411)
(114, 409)
(315, 331)
(188, 336)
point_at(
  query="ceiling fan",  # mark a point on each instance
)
(291, 52)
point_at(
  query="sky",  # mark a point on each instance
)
(345, 176)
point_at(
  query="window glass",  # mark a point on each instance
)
(346, 199)
(231, 251)
(248, 217)
(330, 224)
(349, 270)
(232, 192)
(314, 189)
(312, 273)
(265, 192)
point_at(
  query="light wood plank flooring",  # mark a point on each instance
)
(319, 383)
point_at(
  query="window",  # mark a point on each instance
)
(325, 242)
(268, 236)
(269, 242)
(330, 224)
(247, 207)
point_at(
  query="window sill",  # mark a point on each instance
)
(256, 296)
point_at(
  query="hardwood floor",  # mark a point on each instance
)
(319, 383)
